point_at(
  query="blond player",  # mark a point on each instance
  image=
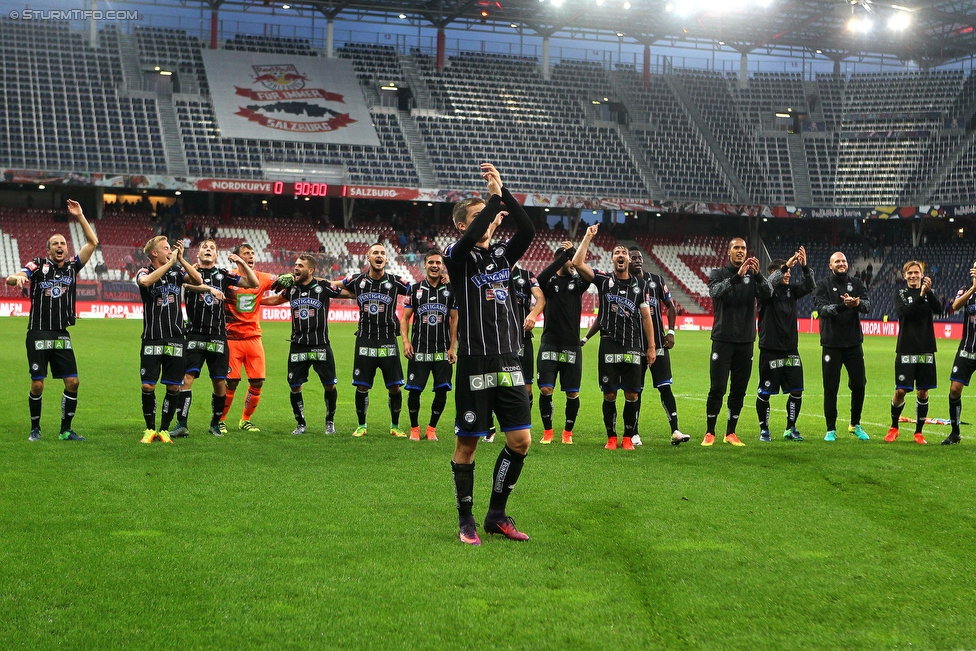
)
(243, 310)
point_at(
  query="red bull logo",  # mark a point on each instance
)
(279, 77)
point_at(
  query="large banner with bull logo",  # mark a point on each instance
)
(262, 96)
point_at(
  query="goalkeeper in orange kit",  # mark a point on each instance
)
(243, 310)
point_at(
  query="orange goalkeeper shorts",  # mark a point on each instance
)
(248, 353)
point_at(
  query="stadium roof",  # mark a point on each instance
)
(932, 32)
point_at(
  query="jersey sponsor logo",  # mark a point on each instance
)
(562, 356)
(306, 302)
(382, 351)
(927, 358)
(493, 380)
(429, 357)
(622, 358)
(52, 344)
(965, 354)
(55, 282)
(168, 350)
(372, 297)
(622, 305)
(426, 308)
(785, 362)
(310, 356)
(246, 302)
(501, 276)
(206, 346)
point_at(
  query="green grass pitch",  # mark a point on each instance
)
(269, 541)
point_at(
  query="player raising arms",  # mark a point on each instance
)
(309, 299)
(243, 312)
(206, 338)
(489, 376)
(433, 347)
(560, 352)
(53, 281)
(163, 341)
(376, 294)
(965, 361)
(626, 335)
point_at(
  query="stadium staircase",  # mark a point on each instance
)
(418, 152)
(677, 86)
(637, 158)
(131, 67)
(801, 173)
(415, 83)
(172, 141)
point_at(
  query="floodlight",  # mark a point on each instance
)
(899, 21)
(627, 5)
(669, 7)
(599, 3)
(403, 16)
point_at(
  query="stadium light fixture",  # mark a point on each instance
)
(166, 73)
(627, 5)
(547, 210)
(514, 26)
(599, 3)
(952, 220)
(403, 16)
(669, 7)
(862, 25)
(783, 115)
(286, 6)
(899, 21)
(557, 3)
(177, 193)
(41, 186)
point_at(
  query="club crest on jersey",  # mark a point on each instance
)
(571, 286)
(387, 285)
(850, 287)
(746, 279)
(208, 299)
(653, 285)
(499, 252)
(219, 276)
(556, 288)
(637, 290)
(55, 292)
(318, 289)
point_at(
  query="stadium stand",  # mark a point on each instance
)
(62, 109)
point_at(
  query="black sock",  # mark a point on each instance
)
(396, 406)
(955, 413)
(636, 416)
(298, 407)
(631, 408)
(217, 404)
(793, 410)
(610, 417)
(711, 414)
(508, 467)
(413, 408)
(921, 411)
(572, 411)
(69, 403)
(169, 409)
(545, 410)
(762, 411)
(331, 397)
(437, 406)
(183, 412)
(149, 408)
(463, 489)
(896, 413)
(670, 406)
(735, 407)
(35, 411)
(362, 405)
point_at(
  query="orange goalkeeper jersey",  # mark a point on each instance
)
(243, 308)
